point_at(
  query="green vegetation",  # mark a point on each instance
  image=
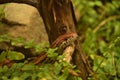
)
(99, 28)
(25, 70)
(2, 14)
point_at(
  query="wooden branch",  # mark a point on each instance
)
(105, 21)
(58, 18)
(79, 58)
(68, 53)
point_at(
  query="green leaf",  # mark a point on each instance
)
(103, 47)
(58, 67)
(29, 67)
(16, 78)
(3, 56)
(29, 44)
(41, 47)
(51, 53)
(98, 3)
(2, 13)
(25, 75)
(3, 69)
(61, 57)
(18, 41)
(5, 38)
(4, 78)
(13, 55)
(64, 75)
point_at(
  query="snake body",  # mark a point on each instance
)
(64, 40)
(61, 42)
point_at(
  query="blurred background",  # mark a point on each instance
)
(98, 27)
(99, 30)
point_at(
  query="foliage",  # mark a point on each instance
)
(99, 23)
(26, 70)
(22, 71)
(99, 28)
(2, 14)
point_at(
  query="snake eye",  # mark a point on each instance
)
(63, 29)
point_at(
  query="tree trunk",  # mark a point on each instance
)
(59, 19)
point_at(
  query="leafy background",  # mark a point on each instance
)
(99, 26)
(99, 30)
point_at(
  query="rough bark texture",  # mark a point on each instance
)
(59, 19)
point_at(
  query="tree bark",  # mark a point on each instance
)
(59, 19)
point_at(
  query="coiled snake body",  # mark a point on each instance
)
(61, 42)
